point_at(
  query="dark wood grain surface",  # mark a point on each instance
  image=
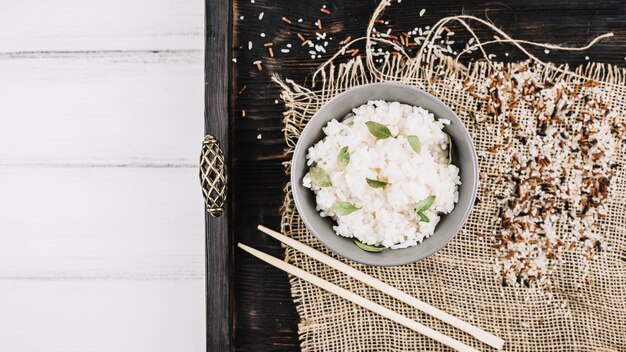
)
(217, 121)
(265, 316)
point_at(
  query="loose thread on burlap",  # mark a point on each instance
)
(427, 48)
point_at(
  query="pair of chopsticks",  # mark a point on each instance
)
(478, 333)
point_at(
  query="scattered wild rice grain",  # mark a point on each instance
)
(286, 20)
(553, 193)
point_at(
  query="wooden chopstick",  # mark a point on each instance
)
(359, 300)
(478, 333)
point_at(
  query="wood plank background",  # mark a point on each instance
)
(101, 119)
(101, 215)
(265, 316)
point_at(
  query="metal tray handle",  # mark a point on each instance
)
(213, 176)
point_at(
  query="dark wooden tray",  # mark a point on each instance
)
(249, 307)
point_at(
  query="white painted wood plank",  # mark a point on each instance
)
(140, 267)
(101, 107)
(79, 25)
(102, 316)
(100, 258)
(99, 212)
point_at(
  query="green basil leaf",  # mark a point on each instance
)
(344, 157)
(319, 177)
(423, 217)
(449, 150)
(343, 208)
(375, 183)
(415, 143)
(425, 204)
(378, 130)
(367, 247)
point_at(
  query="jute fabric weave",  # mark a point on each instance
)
(577, 313)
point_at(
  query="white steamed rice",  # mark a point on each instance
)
(386, 216)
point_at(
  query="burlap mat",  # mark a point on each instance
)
(581, 308)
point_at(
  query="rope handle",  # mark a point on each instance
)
(213, 176)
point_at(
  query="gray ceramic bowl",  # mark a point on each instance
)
(464, 156)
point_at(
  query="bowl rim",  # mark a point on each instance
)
(300, 145)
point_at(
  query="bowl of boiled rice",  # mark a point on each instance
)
(384, 174)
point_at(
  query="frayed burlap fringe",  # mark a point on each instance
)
(460, 278)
